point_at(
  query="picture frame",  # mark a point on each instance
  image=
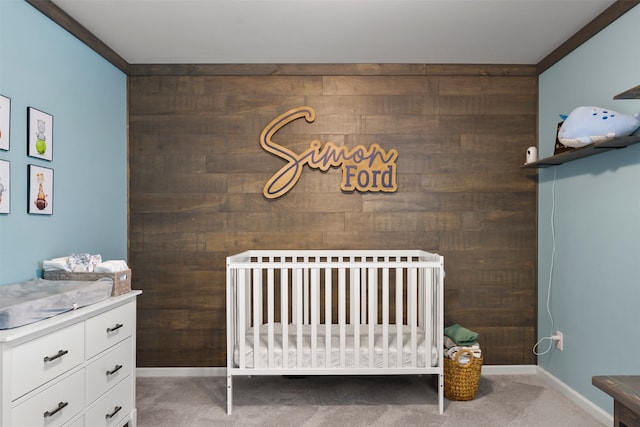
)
(39, 134)
(40, 194)
(5, 123)
(5, 187)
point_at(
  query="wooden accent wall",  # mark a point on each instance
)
(197, 174)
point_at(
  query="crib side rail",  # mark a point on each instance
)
(296, 256)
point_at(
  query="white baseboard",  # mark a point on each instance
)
(181, 372)
(509, 370)
(585, 404)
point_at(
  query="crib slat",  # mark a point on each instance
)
(399, 321)
(315, 277)
(317, 297)
(257, 315)
(353, 303)
(372, 313)
(427, 285)
(270, 316)
(294, 297)
(342, 313)
(413, 308)
(306, 297)
(328, 313)
(421, 296)
(385, 317)
(247, 300)
(299, 321)
(363, 296)
(284, 315)
(240, 304)
(355, 286)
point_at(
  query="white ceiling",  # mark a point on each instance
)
(333, 31)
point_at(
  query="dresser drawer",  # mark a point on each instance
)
(53, 406)
(109, 328)
(42, 359)
(110, 409)
(109, 369)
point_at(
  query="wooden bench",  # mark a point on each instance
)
(625, 390)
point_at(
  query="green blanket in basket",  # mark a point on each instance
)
(460, 335)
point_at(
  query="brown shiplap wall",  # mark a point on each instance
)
(197, 173)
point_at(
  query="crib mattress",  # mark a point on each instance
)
(335, 362)
(27, 302)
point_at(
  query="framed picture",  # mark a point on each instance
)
(40, 190)
(39, 134)
(5, 122)
(5, 187)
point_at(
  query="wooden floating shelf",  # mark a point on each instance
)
(586, 151)
(633, 93)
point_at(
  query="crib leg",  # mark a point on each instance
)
(441, 393)
(229, 394)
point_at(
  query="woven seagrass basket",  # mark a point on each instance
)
(121, 279)
(461, 381)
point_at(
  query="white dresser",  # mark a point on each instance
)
(75, 369)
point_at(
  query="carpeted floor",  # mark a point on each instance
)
(502, 400)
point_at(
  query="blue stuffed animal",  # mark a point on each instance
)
(586, 125)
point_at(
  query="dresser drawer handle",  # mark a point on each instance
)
(113, 414)
(52, 358)
(116, 369)
(115, 328)
(61, 406)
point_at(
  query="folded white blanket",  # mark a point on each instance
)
(451, 349)
(55, 264)
(112, 266)
(62, 263)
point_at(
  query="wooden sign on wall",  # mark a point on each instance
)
(363, 169)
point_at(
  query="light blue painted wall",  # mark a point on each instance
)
(43, 66)
(595, 280)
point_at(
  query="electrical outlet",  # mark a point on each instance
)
(559, 338)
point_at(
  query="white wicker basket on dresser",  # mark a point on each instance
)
(75, 369)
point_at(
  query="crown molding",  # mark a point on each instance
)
(60, 17)
(600, 22)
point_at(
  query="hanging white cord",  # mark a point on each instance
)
(553, 256)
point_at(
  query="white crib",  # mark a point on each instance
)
(342, 312)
